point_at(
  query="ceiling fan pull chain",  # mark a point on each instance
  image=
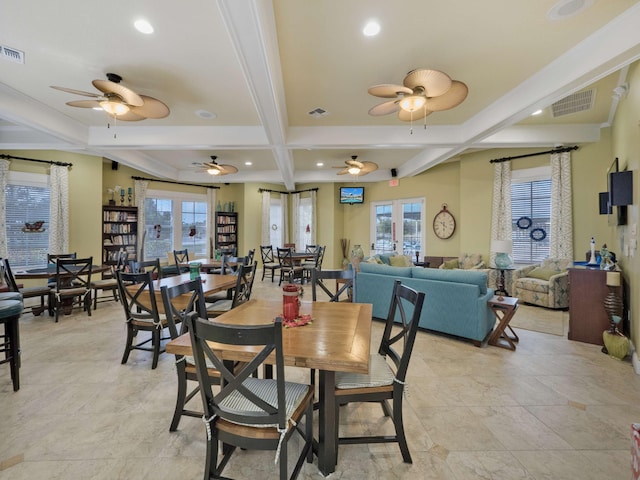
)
(411, 125)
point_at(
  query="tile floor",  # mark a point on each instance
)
(553, 409)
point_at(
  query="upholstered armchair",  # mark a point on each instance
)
(545, 284)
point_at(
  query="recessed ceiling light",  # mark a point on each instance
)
(143, 26)
(568, 8)
(537, 112)
(248, 164)
(319, 164)
(371, 29)
(205, 114)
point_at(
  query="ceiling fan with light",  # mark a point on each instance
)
(354, 167)
(118, 101)
(214, 168)
(423, 92)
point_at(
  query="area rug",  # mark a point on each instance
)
(540, 319)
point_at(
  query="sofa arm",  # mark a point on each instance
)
(559, 290)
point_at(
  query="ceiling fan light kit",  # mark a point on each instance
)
(215, 169)
(423, 91)
(356, 168)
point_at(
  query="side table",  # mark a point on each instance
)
(503, 308)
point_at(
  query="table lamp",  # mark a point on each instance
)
(502, 249)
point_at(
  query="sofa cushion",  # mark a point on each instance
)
(472, 277)
(386, 270)
(450, 264)
(386, 257)
(542, 273)
(400, 261)
(471, 260)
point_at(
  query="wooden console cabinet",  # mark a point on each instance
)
(587, 316)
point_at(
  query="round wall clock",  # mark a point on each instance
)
(444, 224)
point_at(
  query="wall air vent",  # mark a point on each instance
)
(11, 54)
(576, 102)
(318, 112)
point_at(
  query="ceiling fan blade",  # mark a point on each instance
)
(344, 171)
(77, 92)
(368, 167)
(454, 97)
(434, 82)
(129, 96)
(384, 108)
(388, 90)
(417, 115)
(84, 103)
(130, 116)
(152, 108)
(227, 169)
(354, 163)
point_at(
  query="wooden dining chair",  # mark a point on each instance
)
(386, 379)
(42, 292)
(345, 279)
(314, 264)
(138, 299)
(179, 301)
(72, 284)
(241, 292)
(181, 256)
(288, 267)
(248, 412)
(109, 282)
(152, 266)
(52, 258)
(269, 262)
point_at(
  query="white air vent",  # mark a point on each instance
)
(318, 112)
(11, 54)
(576, 102)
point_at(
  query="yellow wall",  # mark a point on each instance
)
(626, 146)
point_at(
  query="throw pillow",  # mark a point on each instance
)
(400, 261)
(450, 264)
(542, 273)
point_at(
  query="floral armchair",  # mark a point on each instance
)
(545, 284)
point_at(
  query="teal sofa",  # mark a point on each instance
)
(455, 302)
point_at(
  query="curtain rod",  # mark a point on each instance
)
(555, 150)
(287, 193)
(50, 162)
(175, 183)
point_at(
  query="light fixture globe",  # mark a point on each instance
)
(114, 107)
(412, 103)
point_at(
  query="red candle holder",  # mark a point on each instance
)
(290, 302)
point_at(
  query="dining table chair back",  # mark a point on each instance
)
(345, 284)
(109, 282)
(386, 379)
(53, 257)
(179, 301)
(137, 295)
(248, 412)
(229, 250)
(250, 256)
(42, 292)
(152, 266)
(241, 292)
(269, 262)
(291, 246)
(288, 267)
(72, 283)
(314, 264)
(181, 257)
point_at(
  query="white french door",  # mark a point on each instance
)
(397, 226)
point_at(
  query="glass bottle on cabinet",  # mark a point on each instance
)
(119, 231)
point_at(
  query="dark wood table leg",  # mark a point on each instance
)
(328, 424)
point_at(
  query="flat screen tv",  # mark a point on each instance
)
(351, 195)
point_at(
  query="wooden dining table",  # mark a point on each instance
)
(49, 271)
(337, 340)
(211, 284)
(207, 264)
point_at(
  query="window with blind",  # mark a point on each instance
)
(531, 219)
(27, 204)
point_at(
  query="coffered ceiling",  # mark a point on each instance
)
(257, 68)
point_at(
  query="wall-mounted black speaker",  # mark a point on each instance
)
(394, 172)
(114, 165)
